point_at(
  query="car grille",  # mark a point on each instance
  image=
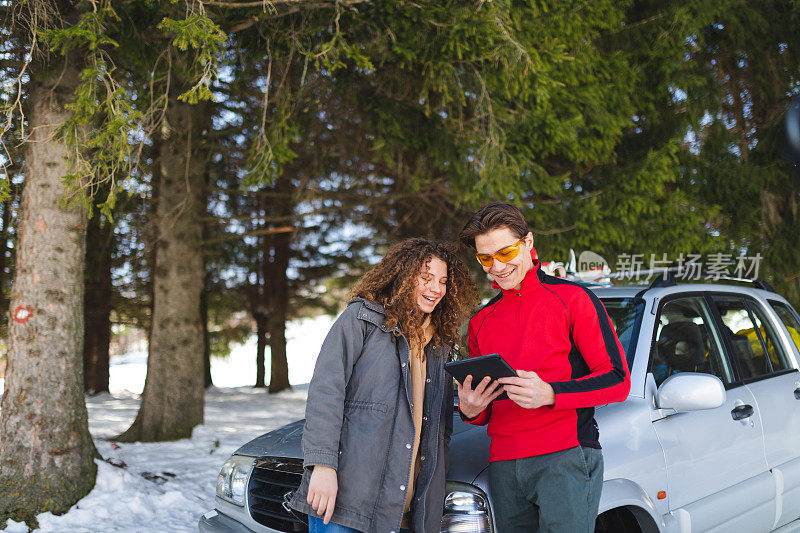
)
(272, 484)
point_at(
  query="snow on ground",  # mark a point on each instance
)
(158, 487)
(304, 337)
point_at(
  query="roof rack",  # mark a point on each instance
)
(761, 284)
(666, 278)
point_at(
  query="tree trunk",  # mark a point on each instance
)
(207, 382)
(46, 452)
(97, 306)
(279, 366)
(260, 304)
(172, 401)
(206, 339)
(278, 290)
(261, 348)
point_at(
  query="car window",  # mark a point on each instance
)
(686, 342)
(625, 315)
(747, 337)
(789, 319)
(777, 359)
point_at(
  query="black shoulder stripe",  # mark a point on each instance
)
(554, 293)
(581, 369)
(596, 383)
(490, 303)
(497, 298)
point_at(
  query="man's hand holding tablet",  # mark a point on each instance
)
(472, 402)
(528, 390)
(474, 398)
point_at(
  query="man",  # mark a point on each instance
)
(545, 463)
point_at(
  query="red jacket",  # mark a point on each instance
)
(561, 331)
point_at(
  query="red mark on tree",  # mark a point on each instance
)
(22, 313)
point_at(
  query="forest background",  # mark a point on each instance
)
(203, 170)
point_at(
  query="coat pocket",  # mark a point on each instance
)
(363, 447)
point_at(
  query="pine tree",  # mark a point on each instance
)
(46, 452)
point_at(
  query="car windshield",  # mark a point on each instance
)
(625, 314)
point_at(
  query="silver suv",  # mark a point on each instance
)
(708, 439)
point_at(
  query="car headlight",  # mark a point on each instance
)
(232, 479)
(466, 510)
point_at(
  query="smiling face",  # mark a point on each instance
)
(431, 285)
(507, 275)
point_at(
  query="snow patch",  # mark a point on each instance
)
(16, 527)
(167, 486)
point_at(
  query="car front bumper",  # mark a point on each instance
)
(214, 522)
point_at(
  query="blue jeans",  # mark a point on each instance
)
(316, 525)
(554, 492)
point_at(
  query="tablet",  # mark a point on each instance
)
(492, 365)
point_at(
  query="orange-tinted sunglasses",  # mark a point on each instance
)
(504, 255)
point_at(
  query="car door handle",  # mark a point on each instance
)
(797, 393)
(741, 412)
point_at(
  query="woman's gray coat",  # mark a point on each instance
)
(359, 422)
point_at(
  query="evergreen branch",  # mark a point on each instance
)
(271, 4)
(523, 53)
(243, 24)
(238, 236)
(16, 104)
(284, 218)
(553, 231)
(37, 15)
(641, 22)
(266, 93)
(103, 116)
(557, 201)
(199, 32)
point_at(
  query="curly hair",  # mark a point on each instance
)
(392, 283)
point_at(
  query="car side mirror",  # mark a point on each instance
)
(690, 391)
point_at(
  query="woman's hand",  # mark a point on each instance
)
(322, 489)
(472, 402)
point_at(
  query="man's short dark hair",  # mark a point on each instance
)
(493, 216)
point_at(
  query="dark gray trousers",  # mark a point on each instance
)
(553, 493)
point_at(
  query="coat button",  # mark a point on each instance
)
(403, 365)
(422, 457)
(428, 380)
(424, 418)
(408, 446)
(402, 487)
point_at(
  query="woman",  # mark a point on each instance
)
(379, 409)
